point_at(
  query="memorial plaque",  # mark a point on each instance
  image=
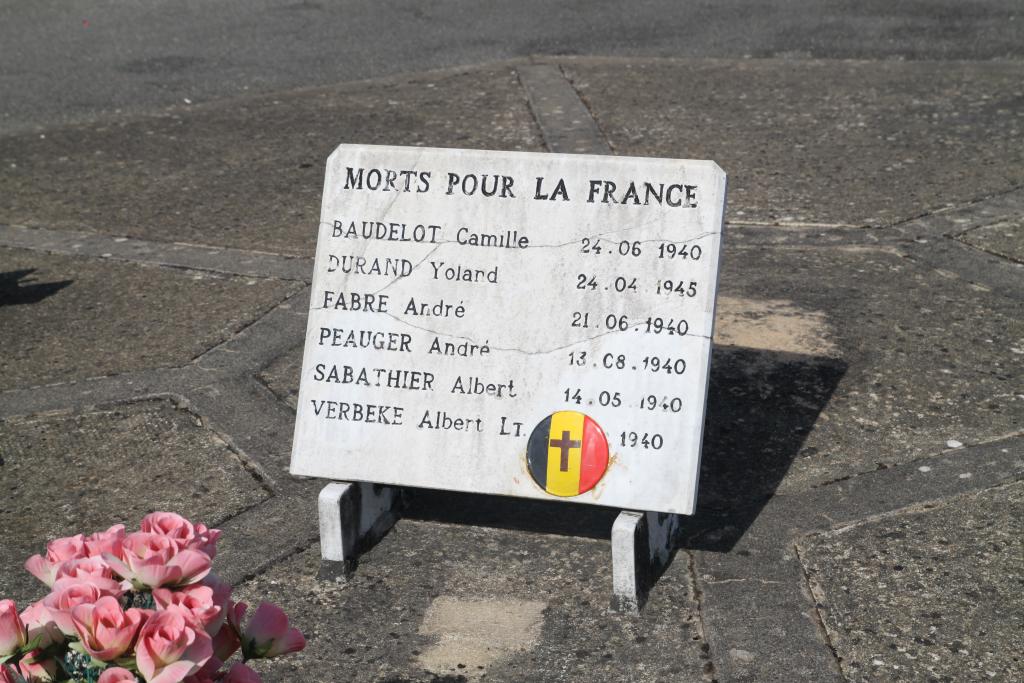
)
(533, 325)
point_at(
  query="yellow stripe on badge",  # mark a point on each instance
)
(565, 452)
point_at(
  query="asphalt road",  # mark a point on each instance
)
(65, 61)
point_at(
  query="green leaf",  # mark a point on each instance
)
(127, 663)
(33, 644)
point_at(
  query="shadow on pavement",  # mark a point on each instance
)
(761, 406)
(539, 516)
(13, 292)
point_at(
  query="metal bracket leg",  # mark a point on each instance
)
(642, 547)
(353, 517)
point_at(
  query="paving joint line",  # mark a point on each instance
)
(251, 465)
(802, 225)
(262, 340)
(260, 375)
(924, 460)
(960, 239)
(226, 261)
(300, 547)
(995, 273)
(251, 419)
(589, 109)
(815, 590)
(566, 124)
(709, 671)
(77, 394)
(923, 505)
(995, 462)
(963, 207)
(93, 391)
(816, 595)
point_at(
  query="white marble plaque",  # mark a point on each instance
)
(534, 325)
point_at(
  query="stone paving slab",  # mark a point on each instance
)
(66, 318)
(472, 603)
(245, 173)
(63, 474)
(850, 142)
(932, 594)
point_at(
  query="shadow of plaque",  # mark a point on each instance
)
(761, 406)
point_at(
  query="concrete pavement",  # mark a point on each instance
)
(866, 396)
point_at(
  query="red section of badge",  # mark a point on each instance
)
(594, 460)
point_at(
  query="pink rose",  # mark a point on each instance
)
(267, 634)
(94, 570)
(13, 634)
(117, 675)
(7, 675)
(197, 601)
(37, 668)
(42, 569)
(188, 536)
(207, 601)
(58, 551)
(68, 594)
(67, 548)
(108, 541)
(171, 646)
(42, 631)
(81, 567)
(240, 673)
(106, 631)
(151, 560)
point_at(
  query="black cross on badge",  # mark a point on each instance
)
(565, 444)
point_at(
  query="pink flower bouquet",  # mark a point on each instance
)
(127, 608)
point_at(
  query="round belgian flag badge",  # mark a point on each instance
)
(567, 453)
